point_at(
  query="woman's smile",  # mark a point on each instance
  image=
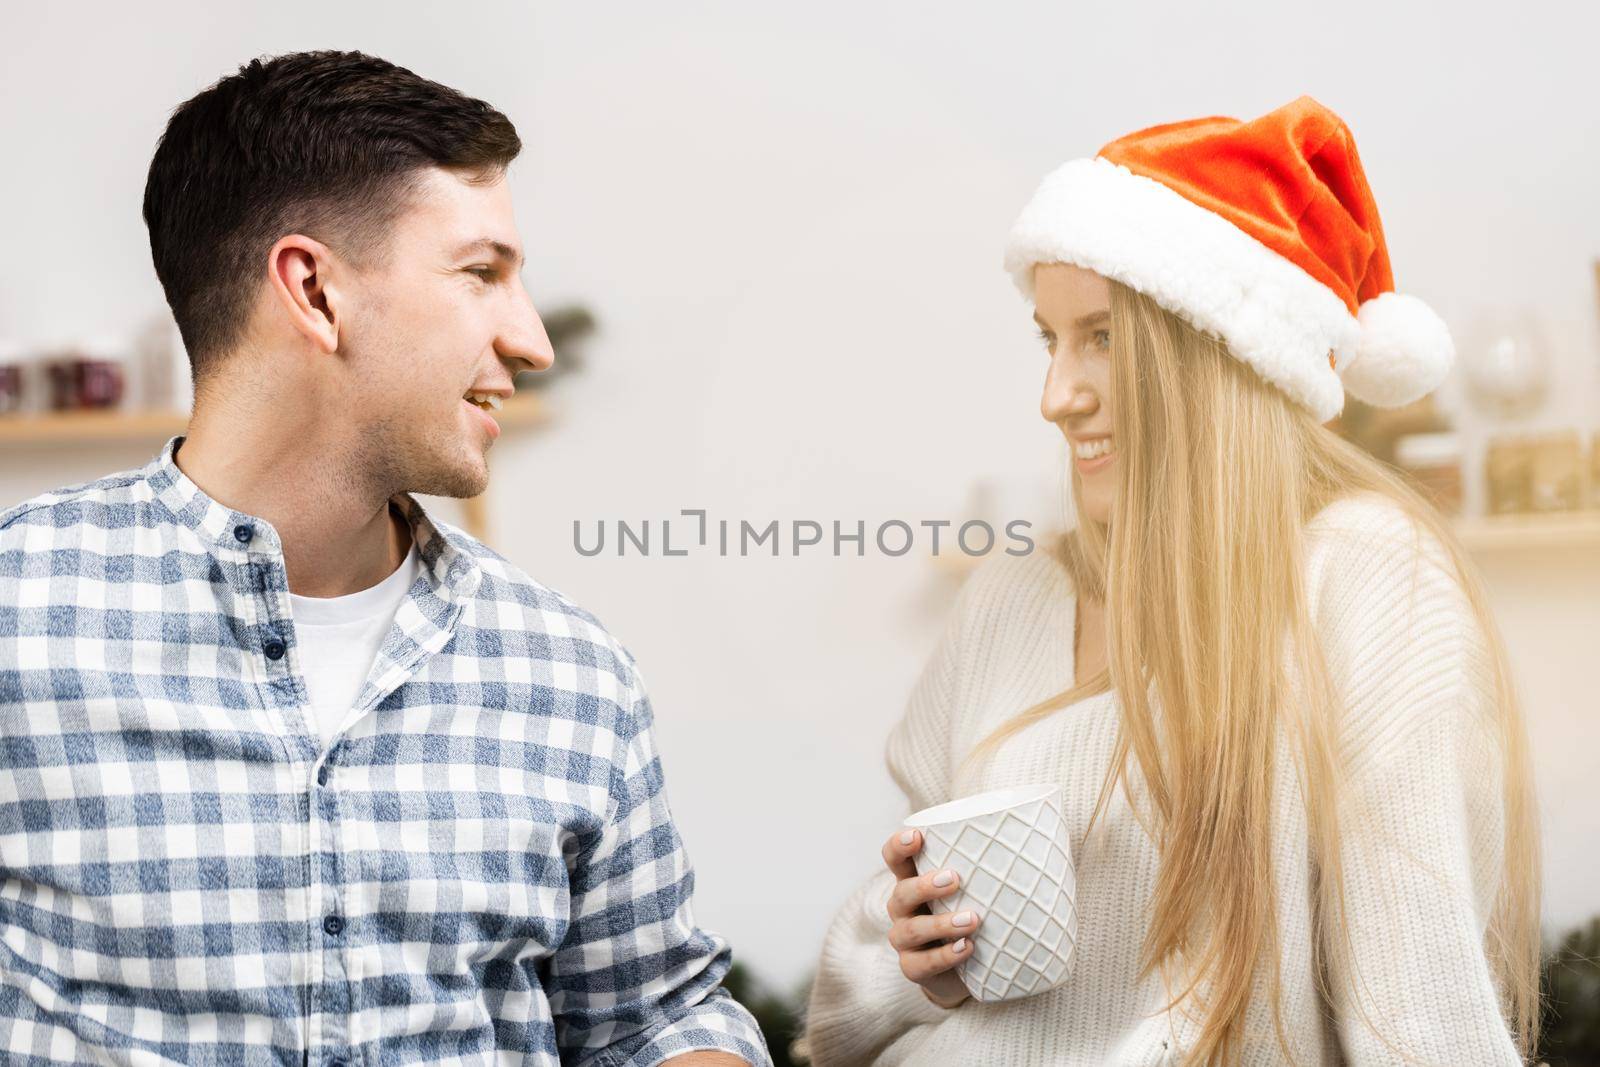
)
(1092, 453)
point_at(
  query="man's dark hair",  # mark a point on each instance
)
(329, 144)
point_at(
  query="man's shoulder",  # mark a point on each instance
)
(533, 606)
(64, 507)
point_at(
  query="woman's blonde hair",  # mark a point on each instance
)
(1200, 578)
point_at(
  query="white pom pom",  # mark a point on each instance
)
(1404, 353)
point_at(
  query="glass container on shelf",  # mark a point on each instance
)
(1505, 369)
(1506, 364)
(162, 366)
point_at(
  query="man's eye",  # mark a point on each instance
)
(485, 273)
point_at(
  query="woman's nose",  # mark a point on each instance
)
(1066, 397)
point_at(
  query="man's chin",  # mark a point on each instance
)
(467, 476)
(469, 481)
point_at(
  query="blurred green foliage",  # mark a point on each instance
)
(567, 327)
(1571, 985)
(778, 1015)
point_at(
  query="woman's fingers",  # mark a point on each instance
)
(930, 962)
(898, 850)
(909, 894)
(916, 931)
(927, 944)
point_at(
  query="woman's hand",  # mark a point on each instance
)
(929, 945)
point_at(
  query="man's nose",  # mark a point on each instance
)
(523, 337)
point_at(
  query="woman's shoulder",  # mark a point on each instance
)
(1004, 586)
(1369, 537)
(1367, 555)
(1007, 605)
(1393, 614)
(1365, 512)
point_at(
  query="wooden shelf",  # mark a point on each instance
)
(72, 427)
(1482, 535)
(1526, 533)
(150, 427)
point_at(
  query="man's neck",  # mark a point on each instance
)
(339, 536)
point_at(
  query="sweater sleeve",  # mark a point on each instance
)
(1421, 814)
(860, 1001)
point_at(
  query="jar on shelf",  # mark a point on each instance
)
(1594, 469)
(90, 374)
(1558, 472)
(1433, 463)
(1509, 470)
(11, 377)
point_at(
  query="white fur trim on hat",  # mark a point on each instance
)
(1274, 316)
(1404, 353)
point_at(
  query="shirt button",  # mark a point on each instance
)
(273, 648)
(336, 1062)
(242, 533)
(333, 925)
(322, 774)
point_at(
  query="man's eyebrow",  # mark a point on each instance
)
(499, 248)
(1082, 324)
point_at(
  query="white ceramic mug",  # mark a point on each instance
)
(1011, 852)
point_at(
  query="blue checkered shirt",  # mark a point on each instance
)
(481, 869)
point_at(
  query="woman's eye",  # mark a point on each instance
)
(1046, 339)
(1106, 345)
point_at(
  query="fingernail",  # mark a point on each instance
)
(944, 878)
(905, 838)
(961, 946)
(963, 918)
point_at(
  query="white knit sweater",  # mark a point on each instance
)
(1421, 831)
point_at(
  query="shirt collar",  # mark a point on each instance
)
(447, 556)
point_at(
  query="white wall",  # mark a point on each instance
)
(790, 224)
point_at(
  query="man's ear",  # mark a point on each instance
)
(300, 273)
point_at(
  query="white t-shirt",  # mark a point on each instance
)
(339, 639)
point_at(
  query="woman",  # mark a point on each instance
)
(1261, 666)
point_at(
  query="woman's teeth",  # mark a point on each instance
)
(1092, 449)
(488, 401)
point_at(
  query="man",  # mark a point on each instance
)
(290, 771)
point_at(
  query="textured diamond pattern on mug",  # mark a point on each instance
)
(1018, 877)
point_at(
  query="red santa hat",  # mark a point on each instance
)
(1263, 233)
